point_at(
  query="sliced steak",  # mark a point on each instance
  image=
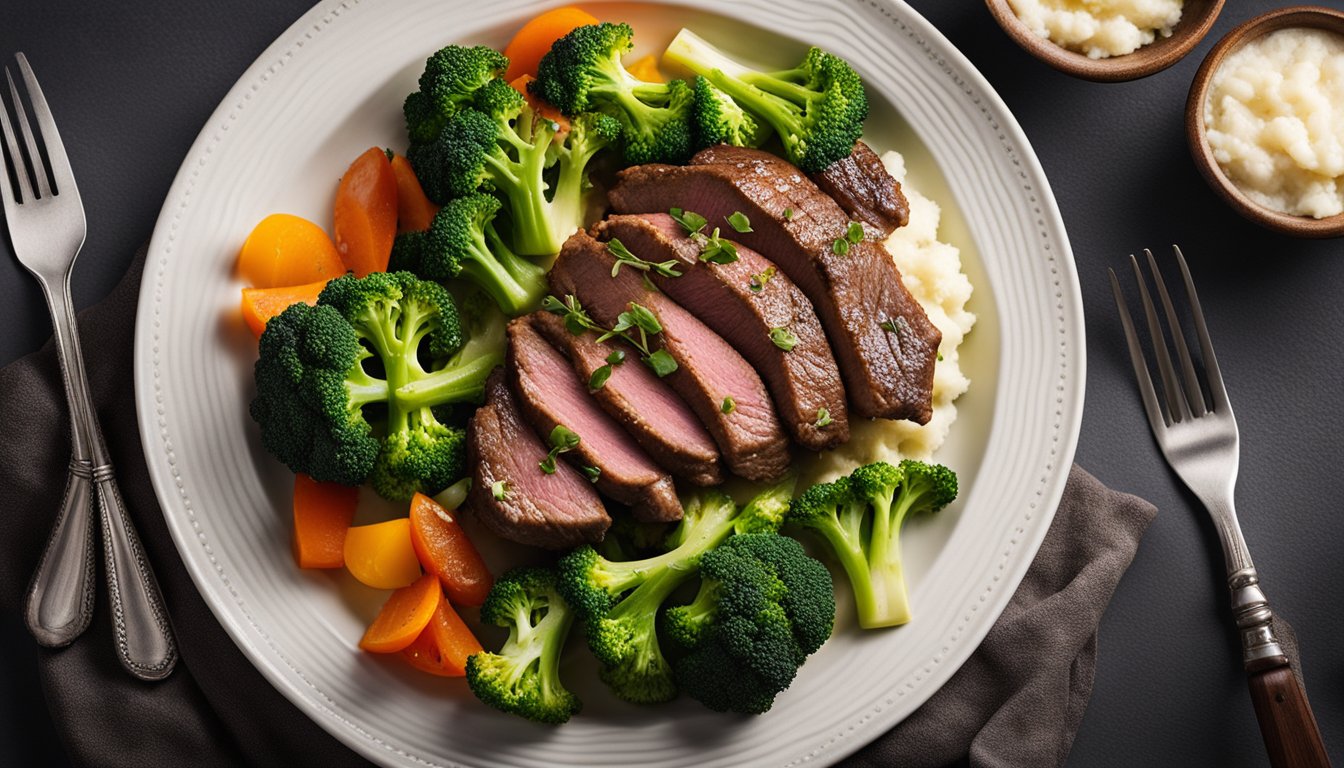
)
(660, 421)
(708, 369)
(555, 511)
(865, 190)
(550, 394)
(744, 301)
(881, 338)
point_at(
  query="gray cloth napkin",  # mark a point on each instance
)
(1017, 701)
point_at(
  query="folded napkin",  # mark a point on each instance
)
(1017, 701)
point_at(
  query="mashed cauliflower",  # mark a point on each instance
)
(1274, 118)
(932, 271)
(1099, 28)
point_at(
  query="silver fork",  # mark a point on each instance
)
(1199, 438)
(47, 227)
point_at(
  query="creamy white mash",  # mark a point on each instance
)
(1274, 118)
(932, 271)
(1099, 28)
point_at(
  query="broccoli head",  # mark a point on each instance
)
(583, 73)
(817, 108)
(764, 606)
(449, 82)
(387, 339)
(860, 517)
(523, 677)
(717, 119)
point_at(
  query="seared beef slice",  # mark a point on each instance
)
(510, 493)
(663, 425)
(881, 338)
(744, 301)
(708, 369)
(862, 186)
(550, 394)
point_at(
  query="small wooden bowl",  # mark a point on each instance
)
(1197, 17)
(1286, 223)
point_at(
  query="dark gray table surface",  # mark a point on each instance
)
(132, 83)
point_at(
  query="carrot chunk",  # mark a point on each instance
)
(443, 647)
(261, 304)
(414, 209)
(536, 37)
(365, 218)
(381, 555)
(445, 551)
(322, 515)
(285, 250)
(403, 617)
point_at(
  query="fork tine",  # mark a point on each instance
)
(1194, 396)
(1176, 407)
(1150, 405)
(34, 159)
(1216, 388)
(57, 160)
(16, 160)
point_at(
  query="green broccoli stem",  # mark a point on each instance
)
(453, 384)
(888, 605)
(696, 54)
(539, 644)
(520, 176)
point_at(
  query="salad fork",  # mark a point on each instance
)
(46, 225)
(1199, 439)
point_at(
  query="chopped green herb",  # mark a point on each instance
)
(644, 319)
(547, 464)
(855, 232)
(823, 417)
(593, 473)
(625, 258)
(729, 405)
(616, 357)
(690, 221)
(715, 249)
(893, 326)
(577, 320)
(940, 357)
(759, 279)
(783, 338)
(599, 377)
(887, 326)
(840, 247)
(788, 214)
(740, 222)
(499, 489)
(563, 439)
(661, 362)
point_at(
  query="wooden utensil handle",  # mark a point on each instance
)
(1286, 722)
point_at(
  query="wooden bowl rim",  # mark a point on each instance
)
(1148, 60)
(1310, 16)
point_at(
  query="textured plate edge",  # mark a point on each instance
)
(207, 582)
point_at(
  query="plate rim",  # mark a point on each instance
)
(170, 492)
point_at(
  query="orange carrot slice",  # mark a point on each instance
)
(381, 555)
(443, 647)
(365, 218)
(414, 209)
(445, 551)
(403, 617)
(536, 37)
(261, 304)
(322, 514)
(646, 69)
(286, 250)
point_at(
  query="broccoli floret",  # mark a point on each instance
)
(861, 517)
(462, 242)
(816, 108)
(523, 677)
(717, 119)
(583, 73)
(764, 606)
(387, 339)
(502, 146)
(450, 80)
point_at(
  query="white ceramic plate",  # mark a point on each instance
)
(332, 86)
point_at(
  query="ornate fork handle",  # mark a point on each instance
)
(60, 601)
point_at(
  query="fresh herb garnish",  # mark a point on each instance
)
(661, 362)
(593, 473)
(577, 319)
(855, 232)
(740, 222)
(715, 249)
(788, 214)
(840, 247)
(499, 489)
(563, 439)
(599, 378)
(759, 279)
(616, 357)
(940, 357)
(625, 258)
(634, 326)
(893, 326)
(729, 405)
(690, 221)
(783, 338)
(823, 417)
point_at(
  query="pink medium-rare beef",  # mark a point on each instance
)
(744, 301)
(659, 420)
(549, 394)
(865, 190)
(883, 341)
(509, 492)
(709, 371)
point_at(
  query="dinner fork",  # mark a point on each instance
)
(1199, 439)
(47, 227)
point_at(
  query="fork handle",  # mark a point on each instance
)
(1287, 724)
(60, 598)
